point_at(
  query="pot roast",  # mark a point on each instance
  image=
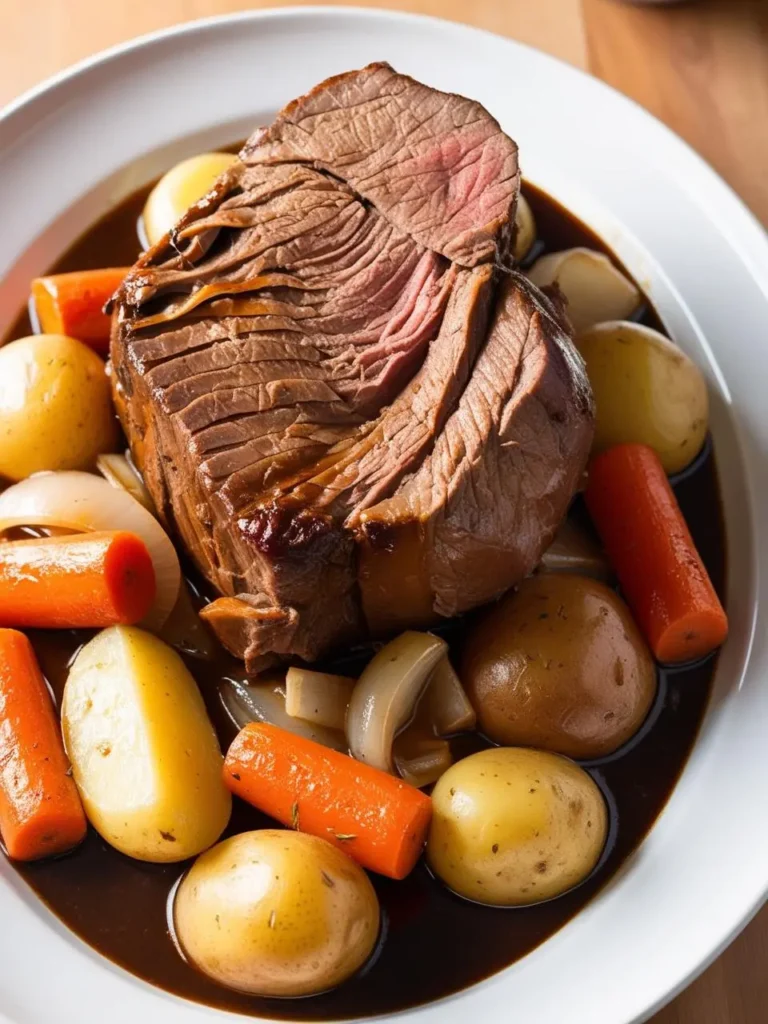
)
(344, 399)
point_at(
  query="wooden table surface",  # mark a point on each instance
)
(702, 67)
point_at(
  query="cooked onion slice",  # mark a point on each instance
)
(445, 705)
(121, 473)
(265, 702)
(421, 759)
(384, 699)
(594, 288)
(184, 629)
(317, 697)
(573, 550)
(80, 501)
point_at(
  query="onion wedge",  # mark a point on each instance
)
(573, 550)
(317, 697)
(265, 702)
(421, 759)
(184, 629)
(122, 474)
(445, 705)
(81, 502)
(386, 695)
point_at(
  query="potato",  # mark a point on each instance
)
(594, 288)
(181, 187)
(55, 406)
(559, 664)
(525, 228)
(144, 755)
(646, 390)
(513, 826)
(276, 913)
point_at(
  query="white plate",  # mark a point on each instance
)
(82, 141)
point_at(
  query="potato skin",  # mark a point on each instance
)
(646, 390)
(181, 187)
(513, 826)
(55, 406)
(276, 913)
(560, 665)
(144, 755)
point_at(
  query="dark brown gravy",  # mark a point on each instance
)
(435, 943)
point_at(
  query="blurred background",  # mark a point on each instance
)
(701, 66)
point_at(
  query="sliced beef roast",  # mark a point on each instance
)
(348, 406)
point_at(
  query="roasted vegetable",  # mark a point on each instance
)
(559, 664)
(144, 755)
(647, 539)
(40, 810)
(514, 826)
(276, 914)
(377, 819)
(594, 288)
(79, 581)
(178, 189)
(73, 304)
(55, 406)
(647, 391)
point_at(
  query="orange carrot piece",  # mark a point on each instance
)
(380, 821)
(40, 810)
(79, 581)
(648, 542)
(73, 304)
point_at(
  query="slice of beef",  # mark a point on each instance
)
(484, 505)
(438, 166)
(306, 375)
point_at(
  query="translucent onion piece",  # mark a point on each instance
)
(421, 759)
(594, 288)
(121, 473)
(573, 550)
(265, 702)
(445, 705)
(386, 695)
(318, 697)
(81, 501)
(183, 629)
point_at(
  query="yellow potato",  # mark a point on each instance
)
(513, 826)
(144, 755)
(55, 407)
(182, 186)
(276, 913)
(525, 228)
(594, 288)
(646, 390)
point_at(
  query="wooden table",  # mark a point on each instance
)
(701, 67)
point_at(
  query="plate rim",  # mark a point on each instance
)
(747, 235)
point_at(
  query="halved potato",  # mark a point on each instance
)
(647, 391)
(182, 187)
(144, 754)
(594, 288)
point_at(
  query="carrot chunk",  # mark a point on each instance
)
(380, 821)
(40, 810)
(84, 580)
(73, 304)
(647, 539)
